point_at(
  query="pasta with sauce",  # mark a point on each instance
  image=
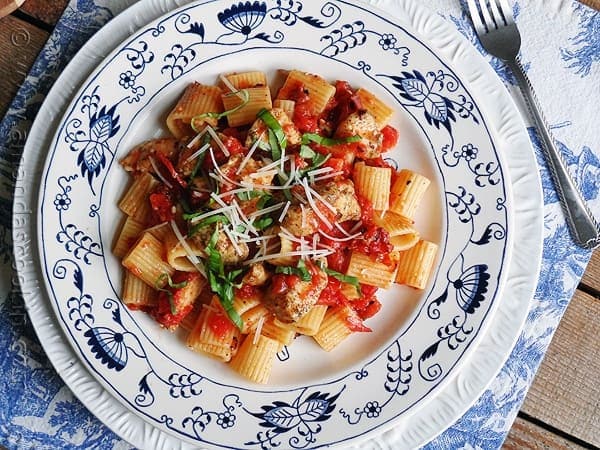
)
(264, 217)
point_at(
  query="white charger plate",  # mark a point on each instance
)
(511, 124)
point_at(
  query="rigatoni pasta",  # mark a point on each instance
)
(260, 221)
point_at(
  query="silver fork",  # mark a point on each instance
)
(499, 35)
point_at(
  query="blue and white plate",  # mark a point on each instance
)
(420, 339)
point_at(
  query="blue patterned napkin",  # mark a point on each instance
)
(563, 60)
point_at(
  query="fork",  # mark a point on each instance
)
(498, 33)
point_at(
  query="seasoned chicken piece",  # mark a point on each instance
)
(230, 253)
(259, 130)
(257, 275)
(363, 124)
(301, 220)
(341, 195)
(249, 173)
(138, 159)
(290, 301)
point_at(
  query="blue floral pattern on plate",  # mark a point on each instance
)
(407, 365)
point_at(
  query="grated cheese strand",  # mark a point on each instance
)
(251, 151)
(310, 253)
(336, 239)
(284, 212)
(158, 174)
(197, 153)
(314, 206)
(188, 250)
(217, 139)
(196, 138)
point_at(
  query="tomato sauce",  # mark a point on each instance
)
(219, 323)
(390, 138)
(162, 202)
(281, 283)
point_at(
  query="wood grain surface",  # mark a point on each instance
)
(566, 392)
(20, 43)
(562, 409)
(525, 435)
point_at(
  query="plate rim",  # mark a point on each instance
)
(130, 11)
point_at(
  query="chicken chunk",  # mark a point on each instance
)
(259, 130)
(295, 299)
(257, 275)
(342, 196)
(138, 159)
(363, 124)
(230, 253)
(302, 220)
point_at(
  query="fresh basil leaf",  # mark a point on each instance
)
(343, 278)
(306, 152)
(159, 282)
(328, 142)
(264, 200)
(217, 218)
(262, 223)
(300, 271)
(215, 115)
(275, 148)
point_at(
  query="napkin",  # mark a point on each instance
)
(561, 50)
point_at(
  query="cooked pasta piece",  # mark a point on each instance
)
(197, 99)
(407, 192)
(244, 80)
(334, 328)
(160, 231)
(274, 330)
(214, 334)
(415, 264)
(319, 91)
(135, 201)
(145, 260)
(378, 109)
(285, 105)
(130, 231)
(254, 360)
(258, 98)
(395, 224)
(309, 323)
(370, 272)
(350, 291)
(251, 317)
(373, 183)
(136, 294)
(177, 256)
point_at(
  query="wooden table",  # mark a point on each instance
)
(562, 409)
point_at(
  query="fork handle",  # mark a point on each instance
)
(580, 220)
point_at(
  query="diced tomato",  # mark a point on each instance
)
(173, 174)
(338, 165)
(162, 204)
(332, 294)
(219, 323)
(390, 138)
(247, 291)
(339, 260)
(355, 323)
(366, 306)
(366, 208)
(374, 242)
(233, 144)
(281, 283)
(346, 102)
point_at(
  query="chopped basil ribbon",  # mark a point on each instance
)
(343, 278)
(328, 142)
(277, 139)
(222, 283)
(300, 271)
(159, 282)
(262, 223)
(215, 115)
(317, 161)
(218, 218)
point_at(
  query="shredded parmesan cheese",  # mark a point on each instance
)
(284, 212)
(215, 137)
(259, 326)
(251, 151)
(158, 174)
(197, 153)
(188, 250)
(336, 239)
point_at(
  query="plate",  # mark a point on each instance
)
(97, 213)
(312, 398)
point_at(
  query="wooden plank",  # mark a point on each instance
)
(525, 435)
(591, 277)
(566, 393)
(592, 3)
(20, 43)
(47, 12)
